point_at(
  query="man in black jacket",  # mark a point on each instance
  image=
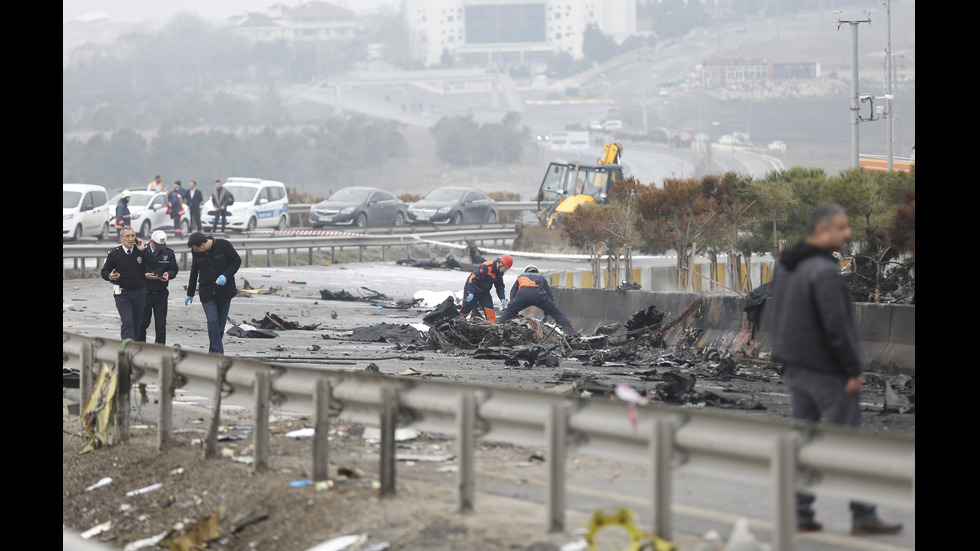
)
(157, 293)
(125, 267)
(816, 340)
(213, 269)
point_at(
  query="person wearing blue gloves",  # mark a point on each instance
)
(213, 269)
(477, 288)
(532, 289)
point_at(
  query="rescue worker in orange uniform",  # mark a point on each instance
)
(532, 289)
(477, 288)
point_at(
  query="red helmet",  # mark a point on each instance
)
(506, 260)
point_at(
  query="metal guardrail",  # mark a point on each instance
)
(786, 454)
(249, 244)
(501, 206)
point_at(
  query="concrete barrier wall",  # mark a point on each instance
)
(664, 278)
(887, 331)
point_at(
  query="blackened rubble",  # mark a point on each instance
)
(370, 296)
(272, 321)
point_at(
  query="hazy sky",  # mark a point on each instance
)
(209, 9)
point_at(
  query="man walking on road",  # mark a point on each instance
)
(816, 340)
(125, 267)
(213, 269)
(156, 288)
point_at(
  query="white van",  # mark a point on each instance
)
(85, 211)
(258, 204)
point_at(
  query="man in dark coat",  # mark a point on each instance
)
(194, 200)
(125, 267)
(213, 269)
(175, 208)
(157, 293)
(122, 212)
(815, 338)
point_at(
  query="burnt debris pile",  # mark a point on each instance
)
(370, 296)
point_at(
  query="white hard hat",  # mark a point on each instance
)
(159, 237)
(127, 194)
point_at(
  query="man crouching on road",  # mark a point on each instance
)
(532, 289)
(213, 268)
(816, 340)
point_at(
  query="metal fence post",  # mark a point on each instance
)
(321, 429)
(555, 428)
(783, 471)
(262, 392)
(165, 422)
(389, 408)
(661, 450)
(465, 444)
(85, 375)
(123, 387)
(211, 441)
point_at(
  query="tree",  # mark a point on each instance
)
(736, 205)
(678, 214)
(596, 46)
(775, 199)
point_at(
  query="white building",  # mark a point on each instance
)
(311, 22)
(478, 32)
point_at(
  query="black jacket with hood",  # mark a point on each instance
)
(812, 314)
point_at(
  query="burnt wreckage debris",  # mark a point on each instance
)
(372, 297)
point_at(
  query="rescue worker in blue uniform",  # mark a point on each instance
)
(175, 207)
(122, 212)
(157, 293)
(532, 289)
(125, 267)
(477, 288)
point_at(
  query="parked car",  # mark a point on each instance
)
(777, 145)
(360, 207)
(595, 125)
(726, 139)
(148, 213)
(613, 125)
(258, 204)
(454, 205)
(85, 211)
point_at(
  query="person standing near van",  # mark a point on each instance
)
(122, 212)
(156, 184)
(157, 293)
(175, 207)
(220, 199)
(194, 200)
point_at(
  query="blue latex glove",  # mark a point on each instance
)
(188, 300)
(544, 317)
(221, 280)
(503, 302)
(469, 297)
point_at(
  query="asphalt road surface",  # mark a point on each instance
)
(700, 502)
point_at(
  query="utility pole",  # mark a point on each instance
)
(888, 84)
(855, 107)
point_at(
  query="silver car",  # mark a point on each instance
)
(148, 212)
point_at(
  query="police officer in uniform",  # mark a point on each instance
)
(532, 289)
(156, 288)
(477, 288)
(125, 267)
(122, 212)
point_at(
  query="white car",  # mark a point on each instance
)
(613, 125)
(85, 211)
(727, 139)
(777, 145)
(258, 204)
(148, 213)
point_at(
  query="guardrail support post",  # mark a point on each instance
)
(85, 375)
(165, 423)
(555, 437)
(262, 392)
(360, 253)
(289, 256)
(248, 256)
(268, 258)
(389, 407)
(211, 441)
(311, 256)
(465, 451)
(783, 471)
(384, 249)
(321, 429)
(123, 387)
(661, 449)
(332, 261)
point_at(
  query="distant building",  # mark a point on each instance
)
(722, 72)
(311, 23)
(87, 53)
(480, 32)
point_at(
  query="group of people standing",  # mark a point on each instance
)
(177, 198)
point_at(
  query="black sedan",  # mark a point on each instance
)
(359, 207)
(454, 205)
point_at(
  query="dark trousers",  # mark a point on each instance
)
(216, 311)
(155, 307)
(177, 230)
(483, 299)
(223, 215)
(531, 296)
(817, 397)
(196, 219)
(129, 304)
